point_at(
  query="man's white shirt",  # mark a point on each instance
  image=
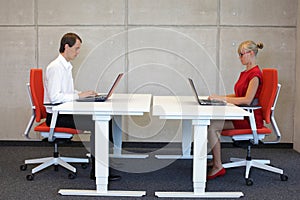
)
(59, 84)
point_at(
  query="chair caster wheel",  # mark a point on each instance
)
(23, 167)
(72, 175)
(84, 165)
(284, 177)
(249, 182)
(30, 177)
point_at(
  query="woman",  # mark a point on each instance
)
(246, 92)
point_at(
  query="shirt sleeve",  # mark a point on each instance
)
(255, 73)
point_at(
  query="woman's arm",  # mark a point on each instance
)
(246, 100)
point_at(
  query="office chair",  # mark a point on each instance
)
(252, 136)
(36, 95)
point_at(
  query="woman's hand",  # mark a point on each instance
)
(217, 97)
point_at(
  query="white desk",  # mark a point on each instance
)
(119, 104)
(186, 108)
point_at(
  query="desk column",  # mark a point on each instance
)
(186, 138)
(101, 152)
(200, 155)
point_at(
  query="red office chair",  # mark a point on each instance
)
(267, 102)
(36, 96)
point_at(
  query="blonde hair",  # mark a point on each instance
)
(249, 45)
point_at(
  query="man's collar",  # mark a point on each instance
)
(65, 63)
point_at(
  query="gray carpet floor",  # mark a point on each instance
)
(148, 174)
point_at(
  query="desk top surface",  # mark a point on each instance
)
(186, 107)
(118, 104)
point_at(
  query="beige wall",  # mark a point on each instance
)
(158, 43)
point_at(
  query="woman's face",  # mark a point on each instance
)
(245, 56)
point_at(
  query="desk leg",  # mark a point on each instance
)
(199, 168)
(117, 135)
(101, 153)
(200, 155)
(186, 138)
(101, 165)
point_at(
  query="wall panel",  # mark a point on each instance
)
(172, 12)
(258, 13)
(81, 12)
(16, 12)
(17, 56)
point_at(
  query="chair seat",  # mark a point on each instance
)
(233, 132)
(44, 128)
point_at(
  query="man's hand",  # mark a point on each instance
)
(89, 93)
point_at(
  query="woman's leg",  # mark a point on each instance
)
(214, 131)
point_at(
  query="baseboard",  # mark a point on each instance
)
(38, 143)
(261, 145)
(146, 145)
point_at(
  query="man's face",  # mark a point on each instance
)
(72, 52)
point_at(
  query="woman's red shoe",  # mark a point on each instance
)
(221, 172)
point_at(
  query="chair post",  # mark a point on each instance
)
(249, 152)
(55, 154)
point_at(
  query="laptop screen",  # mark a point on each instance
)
(205, 102)
(194, 89)
(114, 85)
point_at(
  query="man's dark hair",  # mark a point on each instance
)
(70, 39)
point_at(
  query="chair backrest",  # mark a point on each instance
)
(37, 93)
(268, 93)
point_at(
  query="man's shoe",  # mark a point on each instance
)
(114, 177)
(92, 175)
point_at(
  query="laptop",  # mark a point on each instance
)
(102, 97)
(205, 102)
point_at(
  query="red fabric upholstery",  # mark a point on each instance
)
(268, 93)
(37, 94)
(266, 101)
(42, 127)
(232, 132)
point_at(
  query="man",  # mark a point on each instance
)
(59, 88)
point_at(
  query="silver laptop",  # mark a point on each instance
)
(102, 97)
(205, 102)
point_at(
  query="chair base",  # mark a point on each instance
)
(261, 164)
(62, 161)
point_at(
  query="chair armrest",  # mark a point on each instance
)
(251, 109)
(51, 137)
(246, 107)
(51, 105)
(52, 126)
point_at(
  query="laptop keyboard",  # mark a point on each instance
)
(100, 98)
